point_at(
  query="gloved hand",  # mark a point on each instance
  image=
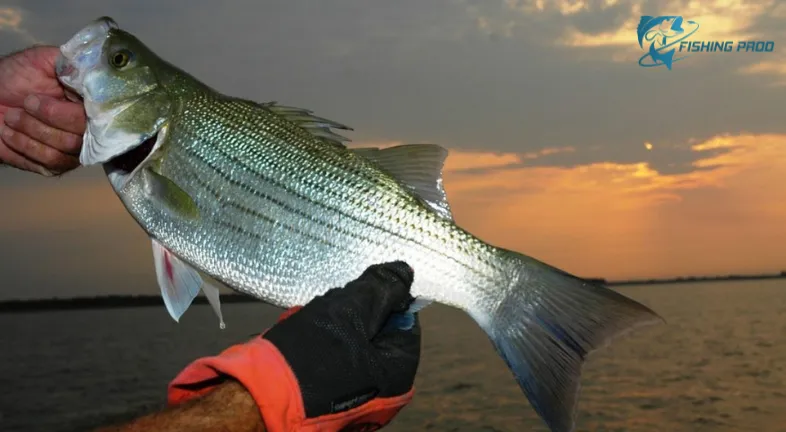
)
(332, 365)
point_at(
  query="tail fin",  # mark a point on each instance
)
(546, 325)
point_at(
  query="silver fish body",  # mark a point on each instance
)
(284, 217)
(268, 201)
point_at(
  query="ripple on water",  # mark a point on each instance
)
(718, 365)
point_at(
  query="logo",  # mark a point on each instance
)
(353, 401)
(668, 41)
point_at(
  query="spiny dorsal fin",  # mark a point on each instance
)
(416, 166)
(317, 126)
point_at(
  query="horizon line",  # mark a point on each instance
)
(237, 297)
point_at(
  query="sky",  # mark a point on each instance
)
(561, 146)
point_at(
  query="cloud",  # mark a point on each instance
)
(466, 162)
(719, 19)
(629, 220)
(610, 25)
(719, 158)
(424, 72)
(11, 20)
(774, 70)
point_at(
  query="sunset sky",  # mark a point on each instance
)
(562, 147)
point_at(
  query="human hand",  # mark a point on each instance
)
(331, 365)
(40, 130)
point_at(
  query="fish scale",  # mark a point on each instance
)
(269, 201)
(265, 203)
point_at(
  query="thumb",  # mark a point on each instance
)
(400, 351)
(381, 290)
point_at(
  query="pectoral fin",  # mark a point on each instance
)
(169, 195)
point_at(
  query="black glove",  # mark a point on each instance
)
(341, 351)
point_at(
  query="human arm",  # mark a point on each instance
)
(40, 129)
(227, 408)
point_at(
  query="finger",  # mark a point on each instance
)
(43, 155)
(44, 58)
(381, 290)
(60, 114)
(14, 159)
(412, 328)
(25, 123)
(393, 339)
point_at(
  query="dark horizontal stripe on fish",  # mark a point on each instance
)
(287, 169)
(264, 217)
(286, 207)
(327, 191)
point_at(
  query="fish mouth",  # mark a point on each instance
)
(122, 167)
(82, 53)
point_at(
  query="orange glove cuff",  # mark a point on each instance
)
(264, 372)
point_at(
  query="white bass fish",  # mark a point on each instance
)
(267, 200)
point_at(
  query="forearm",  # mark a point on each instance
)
(227, 408)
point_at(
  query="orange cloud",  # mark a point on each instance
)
(11, 21)
(628, 220)
(473, 161)
(719, 20)
(771, 68)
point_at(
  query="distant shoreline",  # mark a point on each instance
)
(688, 279)
(130, 301)
(105, 302)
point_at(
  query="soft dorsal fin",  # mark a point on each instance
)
(416, 166)
(317, 126)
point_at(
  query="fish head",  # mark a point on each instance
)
(120, 81)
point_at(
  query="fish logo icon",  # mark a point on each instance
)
(663, 32)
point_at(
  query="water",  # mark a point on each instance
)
(718, 365)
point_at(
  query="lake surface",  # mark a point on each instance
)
(717, 365)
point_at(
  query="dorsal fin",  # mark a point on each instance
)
(418, 167)
(317, 126)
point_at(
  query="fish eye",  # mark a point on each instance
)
(120, 58)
